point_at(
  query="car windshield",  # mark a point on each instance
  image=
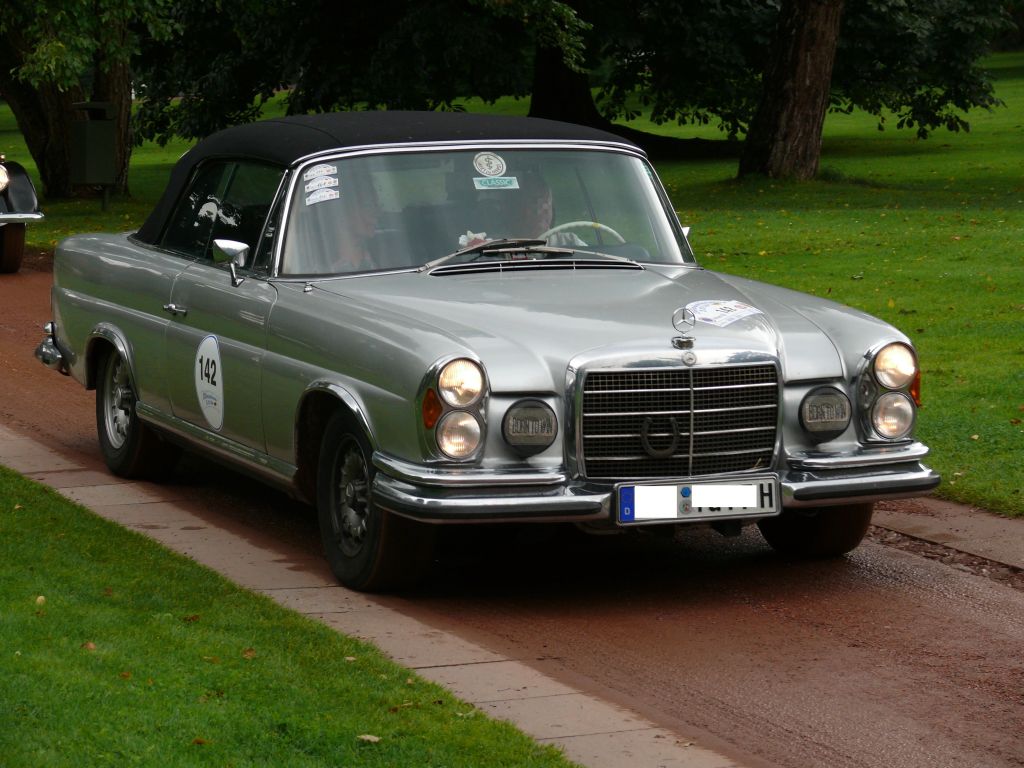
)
(403, 210)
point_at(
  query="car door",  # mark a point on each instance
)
(216, 341)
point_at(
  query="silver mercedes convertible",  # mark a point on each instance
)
(412, 319)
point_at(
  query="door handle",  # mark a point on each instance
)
(175, 309)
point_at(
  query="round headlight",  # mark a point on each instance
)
(893, 415)
(529, 426)
(461, 383)
(5, 179)
(458, 434)
(895, 366)
(825, 413)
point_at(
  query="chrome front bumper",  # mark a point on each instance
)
(48, 352)
(477, 496)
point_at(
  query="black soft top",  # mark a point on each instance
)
(282, 141)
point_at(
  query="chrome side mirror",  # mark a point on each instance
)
(234, 253)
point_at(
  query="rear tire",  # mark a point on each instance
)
(369, 549)
(818, 533)
(12, 247)
(130, 448)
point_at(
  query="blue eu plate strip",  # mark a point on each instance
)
(627, 508)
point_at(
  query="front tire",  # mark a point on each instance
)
(130, 448)
(818, 533)
(369, 549)
(12, 247)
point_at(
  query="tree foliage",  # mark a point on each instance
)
(55, 53)
(327, 55)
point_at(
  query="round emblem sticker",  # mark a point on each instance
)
(210, 382)
(489, 164)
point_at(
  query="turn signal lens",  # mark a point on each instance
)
(893, 415)
(895, 366)
(461, 383)
(458, 434)
(432, 409)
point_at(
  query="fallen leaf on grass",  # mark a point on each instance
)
(368, 737)
(249, 653)
(125, 675)
(212, 659)
(975, 437)
(350, 658)
(410, 681)
(190, 619)
(199, 741)
(41, 600)
(1015, 422)
(89, 645)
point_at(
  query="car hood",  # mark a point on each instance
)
(527, 327)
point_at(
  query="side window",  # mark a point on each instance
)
(227, 199)
(246, 205)
(193, 219)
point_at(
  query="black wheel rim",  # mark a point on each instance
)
(350, 508)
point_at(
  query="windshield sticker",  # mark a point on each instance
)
(721, 313)
(320, 170)
(210, 382)
(320, 182)
(489, 164)
(322, 194)
(498, 182)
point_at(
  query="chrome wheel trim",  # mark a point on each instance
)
(118, 404)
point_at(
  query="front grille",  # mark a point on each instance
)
(679, 422)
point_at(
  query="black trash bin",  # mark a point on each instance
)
(93, 147)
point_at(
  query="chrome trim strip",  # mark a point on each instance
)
(464, 477)
(255, 461)
(858, 459)
(19, 218)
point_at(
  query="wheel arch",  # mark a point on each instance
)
(106, 337)
(317, 406)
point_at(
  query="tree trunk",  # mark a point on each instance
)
(113, 83)
(44, 116)
(784, 140)
(559, 93)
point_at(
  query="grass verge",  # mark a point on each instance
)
(114, 651)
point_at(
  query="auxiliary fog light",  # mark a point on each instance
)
(458, 434)
(893, 415)
(529, 426)
(825, 413)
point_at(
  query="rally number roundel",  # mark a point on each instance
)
(210, 382)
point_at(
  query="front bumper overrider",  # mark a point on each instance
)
(478, 495)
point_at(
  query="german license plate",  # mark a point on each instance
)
(712, 500)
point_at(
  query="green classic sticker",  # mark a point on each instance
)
(496, 182)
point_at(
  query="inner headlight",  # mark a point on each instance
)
(461, 383)
(895, 366)
(893, 415)
(5, 179)
(458, 434)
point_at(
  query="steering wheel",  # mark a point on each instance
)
(582, 225)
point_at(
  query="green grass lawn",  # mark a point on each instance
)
(924, 234)
(114, 651)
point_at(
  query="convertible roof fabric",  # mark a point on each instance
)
(282, 141)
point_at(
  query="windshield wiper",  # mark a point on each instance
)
(508, 245)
